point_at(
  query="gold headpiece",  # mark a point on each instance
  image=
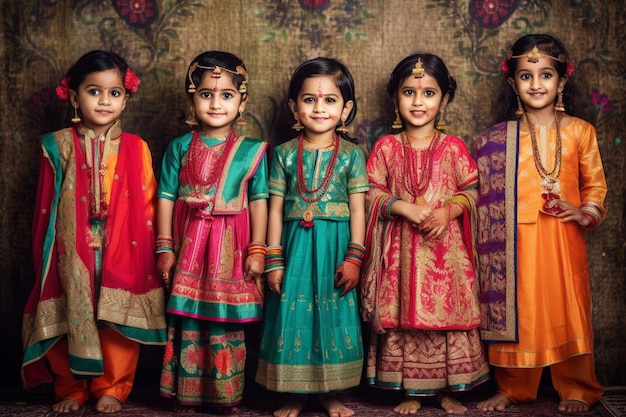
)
(217, 73)
(535, 55)
(418, 70)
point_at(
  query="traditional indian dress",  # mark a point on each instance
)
(535, 293)
(212, 182)
(312, 340)
(420, 296)
(93, 250)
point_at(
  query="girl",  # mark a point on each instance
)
(212, 222)
(97, 295)
(541, 186)
(311, 340)
(422, 303)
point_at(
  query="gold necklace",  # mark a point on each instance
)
(421, 138)
(558, 155)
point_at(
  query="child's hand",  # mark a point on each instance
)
(570, 213)
(417, 213)
(436, 223)
(275, 280)
(253, 267)
(347, 275)
(165, 267)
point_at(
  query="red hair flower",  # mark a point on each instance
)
(131, 81)
(63, 89)
(504, 66)
(569, 68)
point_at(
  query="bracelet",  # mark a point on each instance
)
(257, 247)
(355, 254)
(274, 259)
(164, 243)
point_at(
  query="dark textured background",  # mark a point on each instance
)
(40, 39)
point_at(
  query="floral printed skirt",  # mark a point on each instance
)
(204, 362)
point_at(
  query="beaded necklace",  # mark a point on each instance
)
(417, 174)
(317, 193)
(311, 195)
(550, 189)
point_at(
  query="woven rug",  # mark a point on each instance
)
(366, 402)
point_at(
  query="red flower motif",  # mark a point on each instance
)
(314, 5)
(138, 13)
(131, 81)
(492, 13)
(63, 89)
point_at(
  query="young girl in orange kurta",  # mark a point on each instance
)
(541, 186)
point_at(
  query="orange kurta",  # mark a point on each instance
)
(553, 294)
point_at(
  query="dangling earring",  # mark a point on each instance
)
(76, 118)
(297, 126)
(342, 128)
(240, 120)
(191, 120)
(397, 124)
(559, 106)
(520, 108)
(441, 122)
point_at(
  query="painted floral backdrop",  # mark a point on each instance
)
(42, 38)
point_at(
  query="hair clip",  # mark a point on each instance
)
(418, 70)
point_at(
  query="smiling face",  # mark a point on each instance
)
(101, 98)
(419, 101)
(537, 84)
(320, 107)
(217, 103)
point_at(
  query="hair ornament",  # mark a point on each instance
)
(535, 55)
(216, 72)
(131, 81)
(418, 70)
(63, 89)
(569, 68)
(504, 65)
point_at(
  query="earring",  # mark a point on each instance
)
(343, 128)
(559, 106)
(191, 120)
(240, 120)
(76, 118)
(520, 107)
(297, 126)
(397, 124)
(441, 122)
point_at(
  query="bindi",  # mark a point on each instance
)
(320, 92)
(217, 74)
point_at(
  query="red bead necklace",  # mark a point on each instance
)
(316, 193)
(417, 174)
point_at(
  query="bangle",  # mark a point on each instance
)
(355, 254)
(257, 247)
(274, 259)
(164, 243)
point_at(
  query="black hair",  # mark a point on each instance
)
(433, 66)
(95, 61)
(214, 59)
(326, 66)
(507, 105)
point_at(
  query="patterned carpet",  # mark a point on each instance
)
(366, 402)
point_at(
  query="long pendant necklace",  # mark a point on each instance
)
(417, 174)
(312, 195)
(550, 189)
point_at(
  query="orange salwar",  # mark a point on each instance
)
(120, 356)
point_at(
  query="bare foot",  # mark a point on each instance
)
(451, 405)
(498, 402)
(292, 408)
(66, 406)
(408, 406)
(573, 406)
(335, 407)
(108, 404)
